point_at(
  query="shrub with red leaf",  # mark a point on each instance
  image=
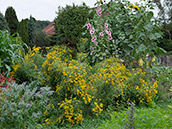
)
(4, 80)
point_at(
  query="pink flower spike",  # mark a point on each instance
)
(95, 43)
(99, 12)
(109, 33)
(91, 53)
(93, 39)
(92, 31)
(106, 25)
(101, 34)
(106, 30)
(91, 48)
(110, 37)
(88, 26)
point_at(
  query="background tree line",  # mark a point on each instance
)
(69, 26)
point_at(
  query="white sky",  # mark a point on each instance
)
(41, 9)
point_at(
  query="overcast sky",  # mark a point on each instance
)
(41, 9)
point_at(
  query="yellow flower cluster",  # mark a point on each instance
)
(131, 6)
(75, 88)
(79, 87)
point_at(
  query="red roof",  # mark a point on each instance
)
(49, 29)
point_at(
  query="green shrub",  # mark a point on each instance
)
(69, 24)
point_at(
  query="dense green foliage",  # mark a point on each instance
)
(84, 95)
(3, 22)
(69, 24)
(146, 118)
(127, 31)
(11, 18)
(9, 47)
(23, 30)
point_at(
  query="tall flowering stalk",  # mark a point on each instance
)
(101, 37)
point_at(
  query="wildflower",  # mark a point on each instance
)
(92, 31)
(131, 6)
(141, 62)
(91, 53)
(95, 43)
(106, 30)
(109, 33)
(93, 39)
(110, 37)
(99, 12)
(153, 59)
(106, 25)
(101, 34)
(88, 26)
(91, 48)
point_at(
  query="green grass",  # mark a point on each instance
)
(159, 117)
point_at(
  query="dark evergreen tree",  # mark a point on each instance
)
(3, 23)
(32, 28)
(23, 30)
(69, 24)
(11, 18)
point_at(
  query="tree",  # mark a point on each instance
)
(40, 39)
(69, 24)
(3, 22)
(165, 15)
(11, 18)
(23, 30)
(32, 28)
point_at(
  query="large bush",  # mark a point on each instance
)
(69, 24)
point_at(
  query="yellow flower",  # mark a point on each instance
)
(153, 59)
(15, 67)
(131, 6)
(141, 62)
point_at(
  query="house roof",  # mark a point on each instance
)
(49, 29)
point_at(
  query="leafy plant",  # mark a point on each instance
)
(8, 50)
(22, 106)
